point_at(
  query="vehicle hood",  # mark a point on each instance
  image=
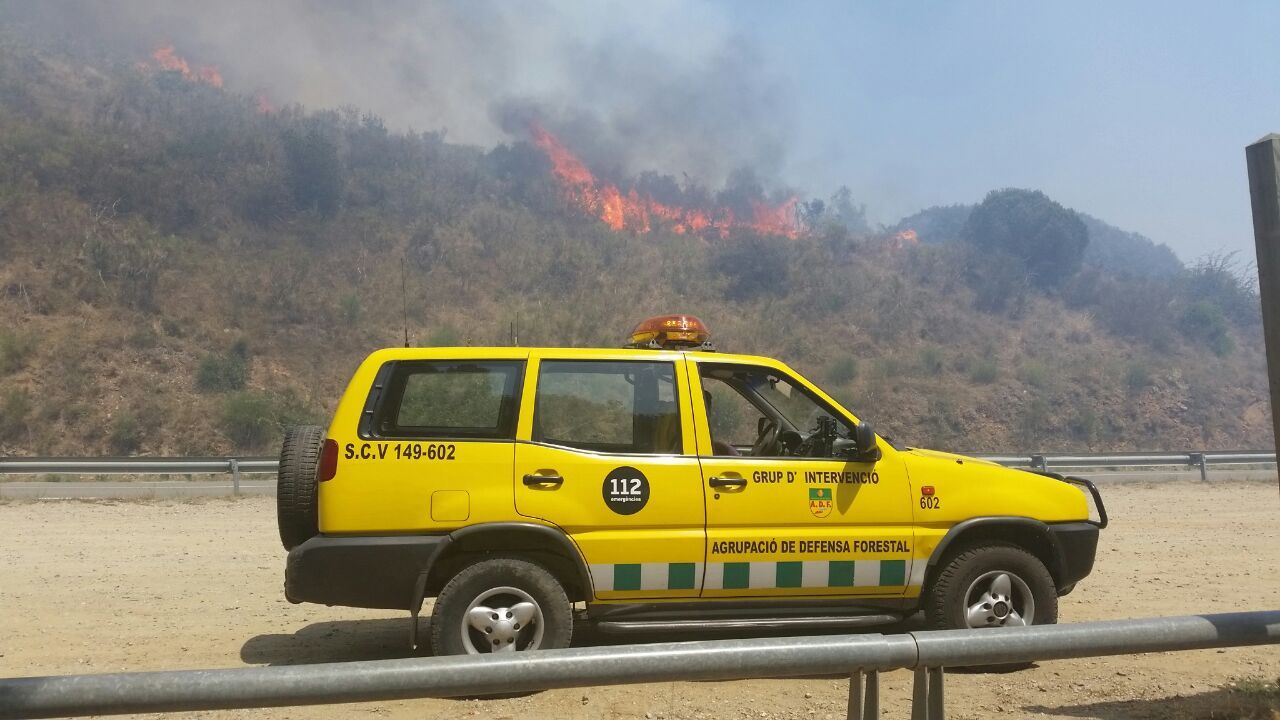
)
(984, 488)
(946, 456)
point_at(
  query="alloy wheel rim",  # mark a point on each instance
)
(999, 599)
(502, 619)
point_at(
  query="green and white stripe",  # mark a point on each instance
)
(647, 576)
(798, 574)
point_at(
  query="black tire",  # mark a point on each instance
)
(946, 603)
(476, 580)
(296, 484)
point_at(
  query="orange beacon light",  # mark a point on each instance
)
(671, 332)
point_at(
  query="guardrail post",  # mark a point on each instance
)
(926, 695)
(235, 477)
(864, 707)
(855, 696)
(1039, 462)
(920, 694)
(937, 711)
(1201, 461)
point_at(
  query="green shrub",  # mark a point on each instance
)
(754, 266)
(1204, 322)
(1085, 425)
(1034, 421)
(15, 406)
(349, 308)
(444, 336)
(223, 372)
(143, 338)
(1137, 378)
(126, 434)
(15, 348)
(886, 368)
(1035, 373)
(984, 371)
(931, 361)
(253, 420)
(843, 370)
(248, 419)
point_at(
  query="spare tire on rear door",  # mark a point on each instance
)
(296, 484)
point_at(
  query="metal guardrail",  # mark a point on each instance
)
(863, 657)
(238, 466)
(245, 465)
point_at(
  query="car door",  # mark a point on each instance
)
(605, 452)
(792, 525)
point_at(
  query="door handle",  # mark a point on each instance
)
(552, 478)
(725, 481)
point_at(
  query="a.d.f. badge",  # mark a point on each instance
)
(820, 502)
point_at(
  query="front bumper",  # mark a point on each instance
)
(1077, 546)
(367, 572)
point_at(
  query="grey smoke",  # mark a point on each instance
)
(632, 86)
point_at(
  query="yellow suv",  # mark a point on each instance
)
(657, 488)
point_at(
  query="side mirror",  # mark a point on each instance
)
(865, 448)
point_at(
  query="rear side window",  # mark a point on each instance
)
(608, 406)
(451, 399)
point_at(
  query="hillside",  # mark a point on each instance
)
(183, 270)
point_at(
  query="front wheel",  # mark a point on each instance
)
(501, 605)
(992, 586)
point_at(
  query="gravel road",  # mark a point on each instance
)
(103, 586)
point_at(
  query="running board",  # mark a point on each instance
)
(776, 623)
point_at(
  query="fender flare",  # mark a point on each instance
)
(1040, 529)
(472, 533)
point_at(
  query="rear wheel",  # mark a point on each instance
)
(501, 605)
(296, 484)
(993, 585)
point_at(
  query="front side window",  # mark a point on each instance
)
(459, 399)
(608, 406)
(760, 412)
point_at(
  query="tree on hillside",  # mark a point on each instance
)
(315, 172)
(1048, 238)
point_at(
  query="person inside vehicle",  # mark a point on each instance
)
(718, 447)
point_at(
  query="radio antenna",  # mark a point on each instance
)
(404, 298)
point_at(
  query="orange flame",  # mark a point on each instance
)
(635, 212)
(263, 102)
(168, 60)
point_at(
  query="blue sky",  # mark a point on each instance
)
(1136, 113)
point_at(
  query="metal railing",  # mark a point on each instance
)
(57, 468)
(246, 465)
(862, 657)
(238, 466)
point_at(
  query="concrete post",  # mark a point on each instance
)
(1263, 158)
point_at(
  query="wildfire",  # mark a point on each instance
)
(638, 213)
(167, 59)
(906, 237)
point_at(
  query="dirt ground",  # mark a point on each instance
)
(90, 587)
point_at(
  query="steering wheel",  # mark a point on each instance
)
(763, 446)
(792, 443)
